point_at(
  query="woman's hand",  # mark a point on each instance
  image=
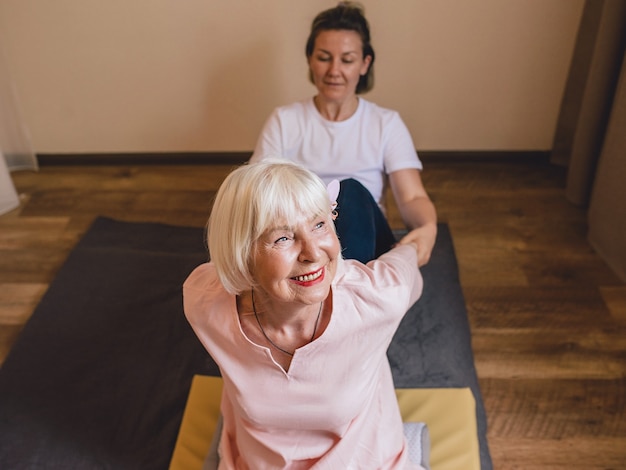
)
(424, 240)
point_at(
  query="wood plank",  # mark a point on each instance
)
(555, 409)
(615, 299)
(589, 453)
(587, 352)
(18, 301)
(555, 308)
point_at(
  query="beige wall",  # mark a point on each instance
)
(202, 75)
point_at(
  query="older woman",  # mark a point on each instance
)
(339, 135)
(300, 334)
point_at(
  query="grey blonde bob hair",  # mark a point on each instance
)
(251, 200)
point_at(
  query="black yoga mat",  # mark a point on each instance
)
(99, 377)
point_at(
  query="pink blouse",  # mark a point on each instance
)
(336, 406)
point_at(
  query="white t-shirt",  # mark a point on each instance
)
(369, 145)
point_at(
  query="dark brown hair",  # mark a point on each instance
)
(346, 16)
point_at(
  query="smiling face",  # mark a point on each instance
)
(337, 63)
(296, 263)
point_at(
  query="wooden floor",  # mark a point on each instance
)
(548, 316)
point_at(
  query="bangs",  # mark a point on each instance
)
(289, 197)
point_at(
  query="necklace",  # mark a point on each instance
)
(317, 320)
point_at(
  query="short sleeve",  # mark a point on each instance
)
(269, 143)
(399, 151)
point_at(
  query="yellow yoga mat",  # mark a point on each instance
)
(449, 413)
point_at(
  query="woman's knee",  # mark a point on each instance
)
(352, 189)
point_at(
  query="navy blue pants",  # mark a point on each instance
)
(362, 228)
